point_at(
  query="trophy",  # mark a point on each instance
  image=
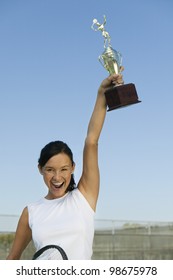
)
(119, 95)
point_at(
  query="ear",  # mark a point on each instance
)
(40, 169)
(73, 168)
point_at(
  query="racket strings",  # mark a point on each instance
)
(50, 254)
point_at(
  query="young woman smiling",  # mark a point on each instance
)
(65, 216)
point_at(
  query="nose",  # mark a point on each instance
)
(57, 175)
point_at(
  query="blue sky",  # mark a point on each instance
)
(49, 76)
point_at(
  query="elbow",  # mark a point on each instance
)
(91, 141)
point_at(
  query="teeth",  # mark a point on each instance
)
(58, 184)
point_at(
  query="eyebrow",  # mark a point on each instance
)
(49, 166)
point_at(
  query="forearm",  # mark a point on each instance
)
(99, 112)
(97, 118)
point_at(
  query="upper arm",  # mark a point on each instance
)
(22, 237)
(89, 182)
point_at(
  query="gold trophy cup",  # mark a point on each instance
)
(120, 95)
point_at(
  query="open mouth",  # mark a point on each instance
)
(58, 185)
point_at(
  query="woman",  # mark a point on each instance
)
(65, 217)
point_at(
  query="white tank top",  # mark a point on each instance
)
(67, 221)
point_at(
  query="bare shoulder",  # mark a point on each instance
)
(24, 214)
(24, 219)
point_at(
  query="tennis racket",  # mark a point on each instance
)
(50, 252)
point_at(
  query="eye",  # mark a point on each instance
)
(49, 170)
(64, 169)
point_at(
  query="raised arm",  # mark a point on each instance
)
(89, 182)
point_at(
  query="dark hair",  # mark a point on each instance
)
(53, 148)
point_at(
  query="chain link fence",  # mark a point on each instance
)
(113, 240)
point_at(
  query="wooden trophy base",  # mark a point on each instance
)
(120, 96)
